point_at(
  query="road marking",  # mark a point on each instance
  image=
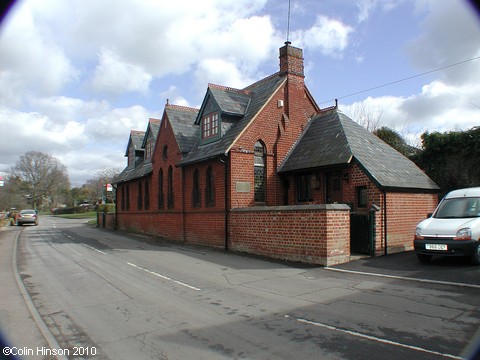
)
(92, 248)
(473, 286)
(374, 338)
(165, 277)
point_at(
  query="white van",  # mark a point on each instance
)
(453, 229)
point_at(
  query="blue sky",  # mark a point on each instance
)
(77, 76)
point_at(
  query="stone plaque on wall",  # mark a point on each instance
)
(242, 187)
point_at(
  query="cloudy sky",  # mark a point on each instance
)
(77, 76)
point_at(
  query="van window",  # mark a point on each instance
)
(459, 208)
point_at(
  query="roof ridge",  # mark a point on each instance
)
(137, 132)
(153, 120)
(227, 88)
(182, 107)
(262, 80)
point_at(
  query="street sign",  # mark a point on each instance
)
(109, 187)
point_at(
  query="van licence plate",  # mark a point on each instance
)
(441, 247)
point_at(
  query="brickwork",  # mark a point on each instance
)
(404, 212)
(317, 234)
(212, 202)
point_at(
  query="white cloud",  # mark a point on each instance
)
(367, 7)
(113, 126)
(328, 35)
(31, 63)
(33, 131)
(117, 76)
(450, 35)
(437, 106)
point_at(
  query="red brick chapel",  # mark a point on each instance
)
(264, 170)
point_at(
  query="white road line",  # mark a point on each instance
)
(374, 338)
(473, 286)
(92, 248)
(165, 277)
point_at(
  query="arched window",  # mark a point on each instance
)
(147, 195)
(160, 189)
(210, 188)
(196, 189)
(123, 197)
(170, 187)
(140, 196)
(127, 198)
(259, 172)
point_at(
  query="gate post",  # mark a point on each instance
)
(373, 227)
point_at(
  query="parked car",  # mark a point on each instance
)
(27, 217)
(453, 229)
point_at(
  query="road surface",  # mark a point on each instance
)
(110, 295)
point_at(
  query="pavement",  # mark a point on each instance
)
(17, 326)
(405, 265)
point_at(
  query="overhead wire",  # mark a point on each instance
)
(400, 80)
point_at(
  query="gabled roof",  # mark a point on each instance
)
(230, 101)
(135, 140)
(252, 99)
(152, 128)
(332, 138)
(182, 119)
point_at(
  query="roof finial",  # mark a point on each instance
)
(168, 102)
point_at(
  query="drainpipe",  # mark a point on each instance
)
(225, 176)
(385, 232)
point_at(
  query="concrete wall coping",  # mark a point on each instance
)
(313, 207)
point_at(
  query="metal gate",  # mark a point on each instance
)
(359, 234)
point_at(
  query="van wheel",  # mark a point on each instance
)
(424, 258)
(475, 258)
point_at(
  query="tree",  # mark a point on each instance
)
(451, 159)
(395, 140)
(366, 114)
(95, 187)
(41, 177)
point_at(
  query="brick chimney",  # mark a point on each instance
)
(291, 60)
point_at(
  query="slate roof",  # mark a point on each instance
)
(250, 100)
(182, 120)
(231, 101)
(136, 139)
(153, 127)
(332, 138)
(134, 172)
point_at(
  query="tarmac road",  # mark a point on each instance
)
(120, 296)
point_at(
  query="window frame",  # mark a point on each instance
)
(259, 172)
(160, 193)
(146, 200)
(140, 196)
(210, 126)
(170, 192)
(196, 196)
(149, 149)
(209, 188)
(362, 196)
(304, 187)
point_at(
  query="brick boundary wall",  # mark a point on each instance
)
(315, 234)
(106, 220)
